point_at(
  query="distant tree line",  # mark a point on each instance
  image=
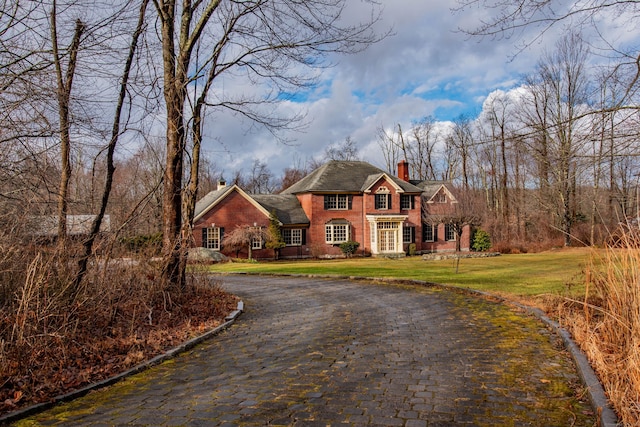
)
(556, 158)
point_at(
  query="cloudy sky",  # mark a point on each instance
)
(426, 68)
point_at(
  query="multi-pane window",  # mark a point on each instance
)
(408, 234)
(387, 225)
(406, 202)
(383, 201)
(449, 232)
(429, 232)
(292, 237)
(336, 201)
(440, 198)
(336, 233)
(211, 238)
(256, 243)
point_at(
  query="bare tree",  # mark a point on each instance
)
(421, 148)
(499, 117)
(262, 40)
(244, 237)
(260, 179)
(64, 80)
(291, 176)
(390, 144)
(111, 147)
(347, 150)
(462, 141)
(462, 213)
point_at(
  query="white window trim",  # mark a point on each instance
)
(339, 201)
(409, 200)
(213, 236)
(330, 233)
(433, 231)
(294, 238)
(451, 229)
(256, 243)
(384, 195)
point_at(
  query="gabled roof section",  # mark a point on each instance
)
(373, 179)
(287, 207)
(432, 188)
(338, 176)
(209, 201)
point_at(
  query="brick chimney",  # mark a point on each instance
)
(403, 170)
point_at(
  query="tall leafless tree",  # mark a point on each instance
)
(557, 98)
(64, 81)
(262, 40)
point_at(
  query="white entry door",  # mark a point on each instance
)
(387, 240)
(387, 236)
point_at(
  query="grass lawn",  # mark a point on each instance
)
(552, 272)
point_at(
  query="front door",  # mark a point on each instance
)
(387, 236)
(387, 240)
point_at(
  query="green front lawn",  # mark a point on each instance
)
(555, 272)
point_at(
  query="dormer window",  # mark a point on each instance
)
(440, 198)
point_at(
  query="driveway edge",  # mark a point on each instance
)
(170, 354)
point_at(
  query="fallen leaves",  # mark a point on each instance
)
(102, 344)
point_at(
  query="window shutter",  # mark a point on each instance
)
(349, 202)
(413, 234)
(326, 202)
(412, 202)
(435, 232)
(221, 234)
(304, 236)
(389, 201)
(204, 237)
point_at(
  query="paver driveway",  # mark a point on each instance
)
(334, 352)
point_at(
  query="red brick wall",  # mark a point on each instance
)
(442, 245)
(234, 211)
(316, 234)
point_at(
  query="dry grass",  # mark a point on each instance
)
(54, 339)
(606, 324)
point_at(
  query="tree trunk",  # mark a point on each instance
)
(64, 83)
(115, 134)
(175, 81)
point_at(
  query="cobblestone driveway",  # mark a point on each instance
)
(320, 352)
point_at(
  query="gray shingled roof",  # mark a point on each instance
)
(345, 177)
(430, 187)
(286, 206)
(332, 177)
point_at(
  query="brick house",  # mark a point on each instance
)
(339, 201)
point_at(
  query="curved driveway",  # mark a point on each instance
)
(320, 352)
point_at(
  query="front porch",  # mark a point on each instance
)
(386, 235)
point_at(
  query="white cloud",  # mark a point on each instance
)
(426, 67)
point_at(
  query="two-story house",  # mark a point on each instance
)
(339, 201)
